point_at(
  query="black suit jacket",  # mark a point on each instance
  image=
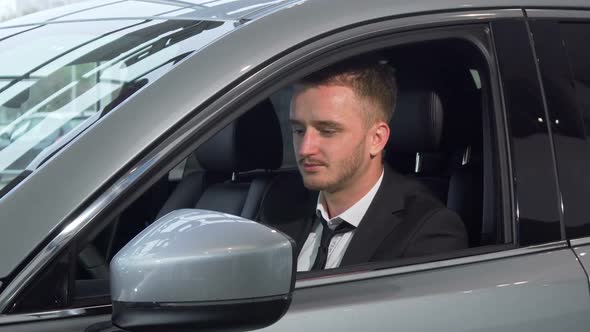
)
(404, 220)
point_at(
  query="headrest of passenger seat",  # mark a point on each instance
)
(417, 123)
(253, 141)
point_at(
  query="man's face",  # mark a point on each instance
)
(330, 136)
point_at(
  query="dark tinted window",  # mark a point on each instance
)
(576, 38)
(536, 191)
(564, 58)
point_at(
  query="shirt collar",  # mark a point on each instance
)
(354, 214)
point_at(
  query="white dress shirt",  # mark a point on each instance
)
(353, 215)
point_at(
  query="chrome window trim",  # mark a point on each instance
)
(558, 13)
(364, 275)
(46, 254)
(580, 242)
(56, 314)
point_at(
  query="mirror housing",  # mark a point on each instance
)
(202, 270)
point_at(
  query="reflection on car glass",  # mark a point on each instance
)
(66, 73)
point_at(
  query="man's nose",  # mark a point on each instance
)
(309, 144)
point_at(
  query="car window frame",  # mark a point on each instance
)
(237, 107)
(173, 149)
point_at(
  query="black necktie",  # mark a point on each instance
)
(327, 235)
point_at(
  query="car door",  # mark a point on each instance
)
(525, 279)
(532, 284)
(560, 37)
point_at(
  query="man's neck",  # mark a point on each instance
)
(337, 202)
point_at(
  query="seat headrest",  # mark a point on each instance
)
(417, 122)
(253, 141)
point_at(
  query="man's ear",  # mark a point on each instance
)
(378, 137)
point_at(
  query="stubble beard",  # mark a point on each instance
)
(342, 173)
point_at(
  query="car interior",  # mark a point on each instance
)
(441, 135)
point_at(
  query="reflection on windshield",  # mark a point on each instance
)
(58, 78)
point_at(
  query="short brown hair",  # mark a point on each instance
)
(369, 78)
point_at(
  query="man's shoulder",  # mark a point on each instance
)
(410, 190)
(427, 226)
(418, 203)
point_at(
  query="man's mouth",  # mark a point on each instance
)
(311, 166)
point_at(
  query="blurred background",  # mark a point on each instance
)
(14, 8)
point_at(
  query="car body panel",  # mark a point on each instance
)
(582, 249)
(477, 296)
(485, 296)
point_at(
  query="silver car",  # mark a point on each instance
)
(154, 185)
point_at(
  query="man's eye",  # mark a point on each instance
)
(327, 132)
(298, 131)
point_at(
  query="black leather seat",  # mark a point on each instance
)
(466, 194)
(414, 143)
(466, 189)
(236, 162)
(229, 182)
(452, 173)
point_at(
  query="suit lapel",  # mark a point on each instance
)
(378, 221)
(307, 226)
(308, 223)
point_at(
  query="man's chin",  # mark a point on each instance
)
(314, 184)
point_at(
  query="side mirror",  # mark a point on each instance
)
(202, 270)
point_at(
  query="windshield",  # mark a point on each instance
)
(57, 79)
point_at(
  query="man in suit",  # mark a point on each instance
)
(365, 211)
